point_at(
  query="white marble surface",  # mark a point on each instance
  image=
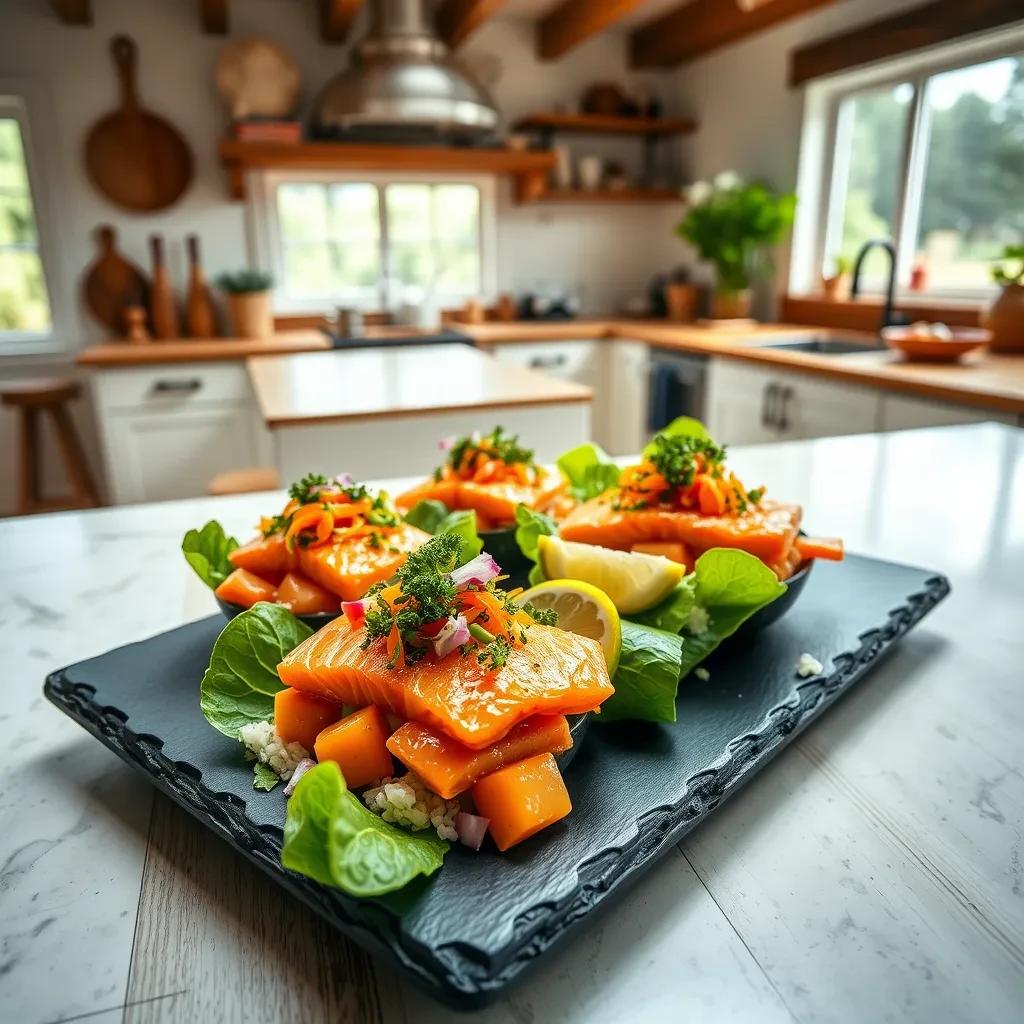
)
(873, 872)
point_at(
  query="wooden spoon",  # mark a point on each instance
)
(133, 157)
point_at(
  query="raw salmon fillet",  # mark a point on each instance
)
(351, 566)
(495, 502)
(767, 531)
(553, 673)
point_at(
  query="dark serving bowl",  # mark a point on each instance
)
(774, 611)
(578, 726)
(502, 547)
(314, 622)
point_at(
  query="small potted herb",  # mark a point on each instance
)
(832, 286)
(248, 293)
(1006, 317)
(731, 223)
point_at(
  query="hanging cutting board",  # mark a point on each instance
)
(133, 157)
(111, 283)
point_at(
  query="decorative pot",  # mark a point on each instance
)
(731, 305)
(251, 316)
(681, 302)
(1006, 320)
(834, 287)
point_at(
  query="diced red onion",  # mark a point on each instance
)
(446, 444)
(344, 480)
(453, 634)
(300, 769)
(479, 571)
(355, 611)
(471, 828)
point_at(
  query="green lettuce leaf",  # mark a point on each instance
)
(264, 777)
(646, 681)
(331, 837)
(531, 525)
(433, 517)
(207, 551)
(589, 470)
(240, 683)
(681, 426)
(673, 613)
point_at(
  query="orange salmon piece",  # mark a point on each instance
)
(553, 673)
(443, 491)
(264, 556)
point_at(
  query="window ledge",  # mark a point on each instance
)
(865, 313)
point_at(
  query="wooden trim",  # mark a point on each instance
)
(456, 20)
(73, 12)
(336, 17)
(609, 195)
(700, 26)
(577, 20)
(213, 16)
(927, 25)
(866, 314)
(605, 124)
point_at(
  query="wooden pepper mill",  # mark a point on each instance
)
(163, 313)
(200, 319)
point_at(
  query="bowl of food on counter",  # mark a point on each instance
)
(935, 342)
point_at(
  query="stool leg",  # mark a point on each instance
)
(82, 487)
(28, 462)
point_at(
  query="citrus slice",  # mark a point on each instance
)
(634, 581)
(581, 609)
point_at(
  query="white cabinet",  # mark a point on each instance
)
(625, 425)
(749, 403)
(167, 431)
(899, 412)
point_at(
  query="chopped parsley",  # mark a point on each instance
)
(497, 445)
(308, 488)
(675, 458)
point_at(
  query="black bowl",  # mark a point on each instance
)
(578, 726)
(770, 613)
(502, 547)
(314, 622)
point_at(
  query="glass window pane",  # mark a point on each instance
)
(870, 141)
(354, 212)
(302, 212)
(17, 223)
(308, 270)
(13, 174)
(972, 202)
(408, 210)
(24, 305)
(457, 213)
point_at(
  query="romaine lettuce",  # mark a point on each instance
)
(207, 551)
(434, 517)
(681, 426)
(589, 470)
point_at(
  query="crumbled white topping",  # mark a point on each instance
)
(702, 673)
(406, 802)
(263, 744)
(698, 620)
(808, 665)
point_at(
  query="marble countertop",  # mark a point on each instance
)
(874, 871)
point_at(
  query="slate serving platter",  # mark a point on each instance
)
(636, 788)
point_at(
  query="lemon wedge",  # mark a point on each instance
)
(633, 581)
(581, 609)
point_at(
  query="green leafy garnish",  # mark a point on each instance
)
(530, 527)
(207, 551)
(589, 470)
(496, 445)
(674, 456)
(331, 837)
(241, 680)
(646, 681)
(681, 426)
(264, 777)
(433, 517)
(308, 488)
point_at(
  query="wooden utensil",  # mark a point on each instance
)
(200, 318)
(133, 157)
(163, 313)
(111, 283)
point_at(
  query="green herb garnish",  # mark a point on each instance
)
(497, 445)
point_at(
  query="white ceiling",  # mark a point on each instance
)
(535, 9)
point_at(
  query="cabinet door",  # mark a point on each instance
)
(157, 456)
(740, 399)
(812, 407)
(621, 426)
(902, 413)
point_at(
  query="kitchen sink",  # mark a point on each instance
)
(824, 345)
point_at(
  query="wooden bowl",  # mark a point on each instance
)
(935, 350)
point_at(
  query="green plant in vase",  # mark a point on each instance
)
(1005, 318)
(249, 302)
(732, 223)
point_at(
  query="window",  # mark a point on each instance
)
(376, 243)
(928, 153)
(24, 299)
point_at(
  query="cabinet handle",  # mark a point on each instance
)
(785, 397)
(768, 404)
(185, 386)
(548, 362)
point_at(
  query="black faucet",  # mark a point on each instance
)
(888, 315)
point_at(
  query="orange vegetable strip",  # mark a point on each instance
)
(820, 547)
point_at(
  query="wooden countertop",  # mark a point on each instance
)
(326, 387)
(200, 350)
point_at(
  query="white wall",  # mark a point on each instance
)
(610, 251)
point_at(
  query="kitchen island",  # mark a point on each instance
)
(871, 872)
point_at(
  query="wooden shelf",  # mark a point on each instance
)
(529, 168)
(606, 124)
(608, 195)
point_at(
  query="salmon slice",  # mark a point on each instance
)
(767, 531)
(554, 672)
(443, 491)
(351, 566)
(265, 556)
(449, 768)
(497, 501)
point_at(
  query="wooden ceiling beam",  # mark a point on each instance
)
(73, 12)
(574, 21)
(456, 20)
(213, 16)
(927, 25)
(336, 17)
(700, 26)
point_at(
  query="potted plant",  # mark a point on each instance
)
(248, 293)
(832, 285)
(731, 222)
(1006, 317)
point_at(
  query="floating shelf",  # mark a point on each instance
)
(529, 168)
(609, 195)
(606, 124)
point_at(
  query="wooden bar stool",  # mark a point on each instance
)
(33, 398)
(244, 481)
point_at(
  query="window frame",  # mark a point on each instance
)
(265, 237)
(22, 101)
(820, 164)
